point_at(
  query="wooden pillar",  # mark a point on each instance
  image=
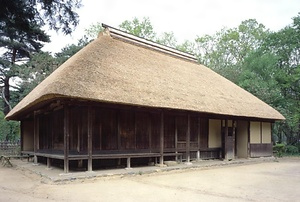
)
(176, 139)
(198, 133)
(150, 132)
(66, 138)
(35, 136)
(225, 139)
(48, 162)
(118, 129)
(78, 134)
(248, 143)
(22, 135)
(188, 139)
(128, 163)
(90, 139)
(161, 160)
(261, 125)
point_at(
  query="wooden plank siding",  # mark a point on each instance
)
(96, 130)
(137, 130)
(261, 150)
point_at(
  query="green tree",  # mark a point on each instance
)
(19, 38)
(187, 46)
(41, 65)
(265, 63)
(21, 35)
(69, 50)
(226, 50)
(141, 28)
(33, 72)
(167, 39)
(285, 45)
(9, 130)
(93, 30)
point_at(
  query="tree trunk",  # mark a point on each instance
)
(6, 96)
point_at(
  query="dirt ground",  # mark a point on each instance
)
(264, 181)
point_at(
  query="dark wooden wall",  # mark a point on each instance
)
(51, 134)
(259, 150)
(118, 129)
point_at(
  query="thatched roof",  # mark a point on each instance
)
(116, 68)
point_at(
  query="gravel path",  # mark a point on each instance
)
(264, 181)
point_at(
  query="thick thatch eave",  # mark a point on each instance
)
(112, 70)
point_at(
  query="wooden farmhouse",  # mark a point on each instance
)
(125, 101)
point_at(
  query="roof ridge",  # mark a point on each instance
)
(116, 33)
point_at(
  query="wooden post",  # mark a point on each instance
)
(161, 160)
(188, 139)
(135, 128)
(248, 143)
(225, 139)
(22, 135)
(48, 162)
(35, 136)
(118, 129)
(261, 125)
(66, 138)
(198, 131)
(78, 134)
(128, 163)
(150, 132)
(176, 139)
(234, 126)
(90, 139)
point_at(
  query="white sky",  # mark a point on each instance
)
(186, 18)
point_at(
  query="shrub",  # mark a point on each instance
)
(291, 149)
(279, 149)
(298, 145)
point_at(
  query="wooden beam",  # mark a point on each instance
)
(90, 139)
(66, 138)
(161, 161)
(188, 139)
